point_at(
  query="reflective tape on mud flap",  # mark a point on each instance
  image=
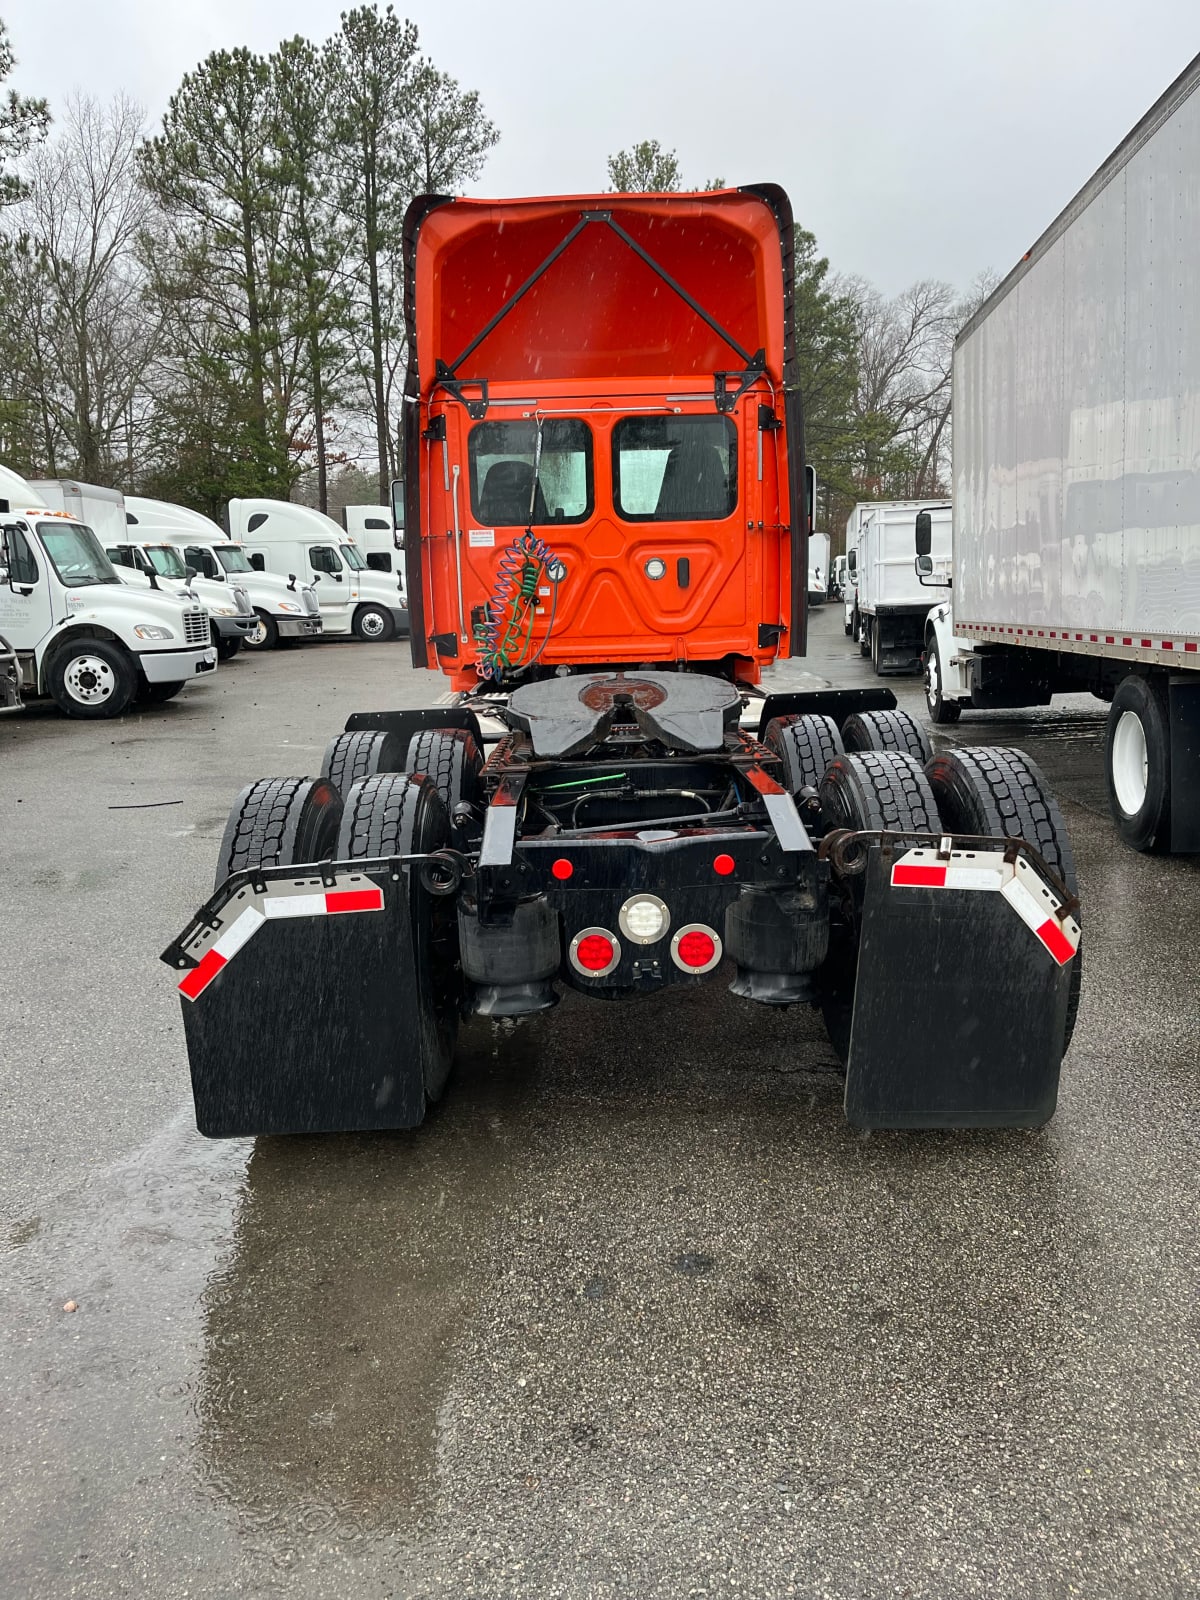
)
(266, 908)
(1021, 885)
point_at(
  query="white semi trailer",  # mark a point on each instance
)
(1076, 393)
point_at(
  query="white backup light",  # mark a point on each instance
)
(644, 918)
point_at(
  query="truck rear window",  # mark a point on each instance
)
(674, 469)
(502, 457)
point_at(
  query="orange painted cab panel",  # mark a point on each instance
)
(603, 452)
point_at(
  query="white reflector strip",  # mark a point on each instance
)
(295, 905)
(238, 931)
(1023, 888)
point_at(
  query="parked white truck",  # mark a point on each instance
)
(284, 538)
(893, 599)
(283, 610)
(377, 536)
(818, 568)
(81, 636)
(1076, 392)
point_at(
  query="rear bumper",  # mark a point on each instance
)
(298, 627)
(176, 666)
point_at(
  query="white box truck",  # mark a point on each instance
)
(81, 636)
(1076, 393)
(284, 610)
(378, 537)
(893, 599)
(854, 527)
(284, 538)
(818, 568)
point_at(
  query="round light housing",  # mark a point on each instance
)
(562, 869)
(696, 948)
(723, 865)
(644, 918)
(656, 568)
(594, 952)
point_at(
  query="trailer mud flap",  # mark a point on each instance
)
(960, 1004)
(298, 1004)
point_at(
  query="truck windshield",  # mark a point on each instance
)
(353, 559)
(502, 457)
(76, 554)
(166, 561)
(233, 558)
(674, 469)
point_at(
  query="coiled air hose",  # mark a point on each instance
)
(503, 637)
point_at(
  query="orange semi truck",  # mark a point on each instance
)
(607, 521)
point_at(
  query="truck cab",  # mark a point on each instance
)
(377, 536)
(289, 539)
(80, 636)
(283, 609)
(231, 616)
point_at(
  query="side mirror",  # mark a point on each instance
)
(852, 563)
(192, 572)
(924, 533)
(397, 498)
(924, 562)
(810, 497)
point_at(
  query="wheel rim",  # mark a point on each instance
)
(257, 635)
(1130, 763)
(90, 680)
(371, 625)
(933, 687)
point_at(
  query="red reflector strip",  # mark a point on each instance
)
(1056, 941)
(914, 877)
(353, 900)
(199, 978)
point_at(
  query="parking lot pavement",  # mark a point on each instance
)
(635, 1313)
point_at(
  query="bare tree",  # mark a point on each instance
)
(87, 318)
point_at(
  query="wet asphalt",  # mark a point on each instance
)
(635, 1313)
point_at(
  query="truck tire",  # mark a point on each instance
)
(157, 694)
(373, 625)
(451, 759)
(399, 814)
(1137, 763)
(265, 636)
(227, 645)
(849, 628)
(280, 822)
(352, 756)
(864, 790)
(1003, 793)
(941, 710)
(806, 745)
(92, 678)
(886, 730)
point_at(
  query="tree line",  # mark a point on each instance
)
(216, 309)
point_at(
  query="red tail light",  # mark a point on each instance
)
(696, 948)
(595, 952)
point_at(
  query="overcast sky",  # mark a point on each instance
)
(917, 138)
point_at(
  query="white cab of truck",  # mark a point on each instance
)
(377, 536)
(81, 637)
(283, 609)
(818, 568)
(231, 616)
(284, 538)
(893, 597)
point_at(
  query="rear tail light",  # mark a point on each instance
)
(696, 948)
(595, 952)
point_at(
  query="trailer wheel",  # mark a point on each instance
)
(1137, 763)
(941, 710)
(352, 756)
(280, 822)
(265, 636)
(806, 745)
(864, 790)
(849, 626)
(373, 624)
(886, 730)
(400, 814)
(452, 760)
(92, 678)
(1002, 792)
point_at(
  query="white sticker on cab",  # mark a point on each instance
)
(481, 538)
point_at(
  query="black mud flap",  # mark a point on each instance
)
(298, 1003)
(960, 1005)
